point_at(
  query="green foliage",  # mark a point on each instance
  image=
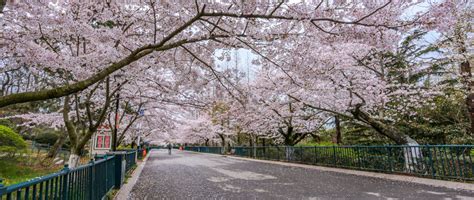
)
(47, 137)
(15, 170)
(315, 144)
(354, 134)
(444, 122)
(10, 141)
(124, 147)
(7, 123)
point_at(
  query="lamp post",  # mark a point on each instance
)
(117, 101)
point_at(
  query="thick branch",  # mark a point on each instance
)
(81, 85)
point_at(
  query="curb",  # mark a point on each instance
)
(127, 187)
(409, 179)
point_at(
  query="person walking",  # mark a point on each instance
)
(169, 148)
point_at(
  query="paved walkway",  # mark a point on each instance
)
(189, 175)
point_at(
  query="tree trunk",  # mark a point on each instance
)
(289, 140)
(73, 160)
(57, 145)
(222, 142)
(411, 152)
(337, 138)
(382, 128)
(238, 139)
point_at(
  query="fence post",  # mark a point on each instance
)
(390, 158)
(254, 151)
(431, 161)
(119, 172)
(315, 155)
(334, 154)
(359, 157)
(3, 189)
(265, 153)
(65, 183)
(91, 179)
(301, 155)
(135, 157)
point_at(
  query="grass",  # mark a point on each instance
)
(19, 169)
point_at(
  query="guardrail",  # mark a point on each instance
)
(130, 159)
(91, 181)
(38, 148)
(214, 150)
(431, 161)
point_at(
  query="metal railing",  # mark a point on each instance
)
(431, 161)
(214, 150)
(39, 148)
(91, 181)
(130, 159)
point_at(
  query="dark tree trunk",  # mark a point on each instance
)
(250, 140)
(222, 139)
(337, 138)
(57, 145)
(288, 136)
(238, 139)
(382, 128)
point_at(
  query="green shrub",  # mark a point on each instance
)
(122, 147)
(47, 137)
(312, 144)
(7, 123)
(10, 141)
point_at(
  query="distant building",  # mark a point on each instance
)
(101, 140)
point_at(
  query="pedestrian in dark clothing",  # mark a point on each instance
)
(169, 148)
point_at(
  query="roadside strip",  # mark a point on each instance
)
(127, 187)
(394, 177)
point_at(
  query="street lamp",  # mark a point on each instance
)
(117, 101)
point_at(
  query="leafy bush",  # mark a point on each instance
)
(122, 147)
(7, 123)
(10, 141)
(47, 137)
(312, 144)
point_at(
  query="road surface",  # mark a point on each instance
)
(190, 175)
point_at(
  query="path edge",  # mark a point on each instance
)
(127, 187)
(394, 177)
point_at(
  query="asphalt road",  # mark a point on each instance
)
(189, 175)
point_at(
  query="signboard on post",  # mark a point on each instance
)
(102, 140)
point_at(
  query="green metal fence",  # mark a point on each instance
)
(432, 161)
(91, 181)
(45, 148)
(130, 159)
(215, 150)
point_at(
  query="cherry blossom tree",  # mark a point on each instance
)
(90, 41)
(319, 60)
